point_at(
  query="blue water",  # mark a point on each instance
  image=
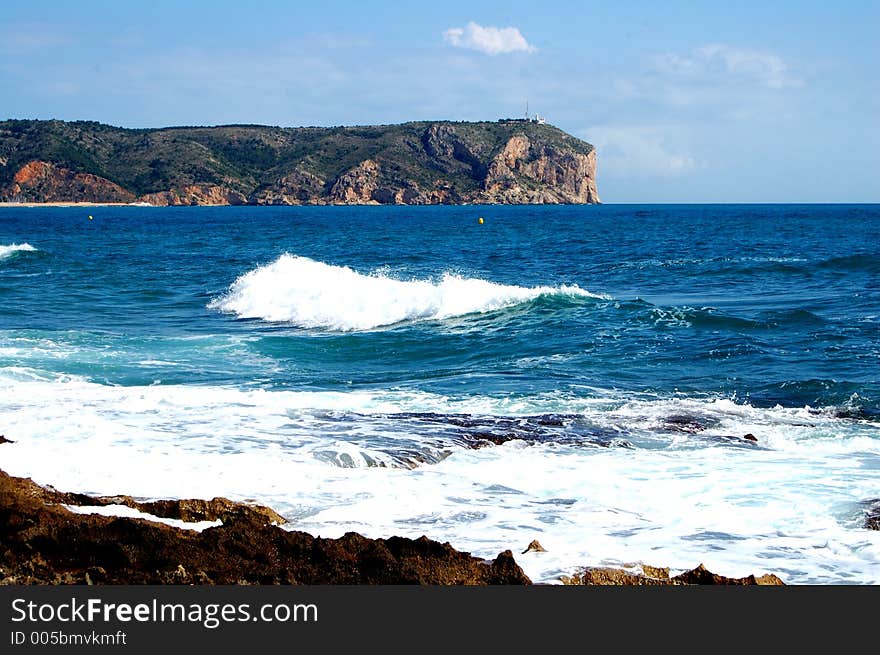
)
(319, 358)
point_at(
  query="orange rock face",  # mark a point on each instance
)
(356, 186)
(520, 174)
(195, 194)
(527, 175)
(39, 181)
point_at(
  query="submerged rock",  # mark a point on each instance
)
(42, 542)
(476, 431)
(684, 423)
(872, 514)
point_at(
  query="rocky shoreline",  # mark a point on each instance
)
(42, 542)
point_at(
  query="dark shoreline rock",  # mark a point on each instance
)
(42, 542)
(872, 514)
(654, 576)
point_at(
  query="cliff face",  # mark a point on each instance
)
(524, 174)
(39, 181)
(195, 194)
(506, 162)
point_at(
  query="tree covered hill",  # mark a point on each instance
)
(508, 161)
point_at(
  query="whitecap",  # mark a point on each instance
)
(15, 248)
(313, 294)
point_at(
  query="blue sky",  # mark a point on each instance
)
(686, 102)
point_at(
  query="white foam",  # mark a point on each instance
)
(11, 249)
(787, 505)
(132, 513)
(313, 294)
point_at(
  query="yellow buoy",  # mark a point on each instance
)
(481, 220)
(90, 217)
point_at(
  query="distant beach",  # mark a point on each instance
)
(74, 204)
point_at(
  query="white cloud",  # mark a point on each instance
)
(765, 68)
(638, 151)
(491, 40)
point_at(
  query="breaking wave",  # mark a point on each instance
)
(313, 294)
(15, 248)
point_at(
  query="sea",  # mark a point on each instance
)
(659, 384)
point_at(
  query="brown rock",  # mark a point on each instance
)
(701, 575)
(189, 510)
(611, 576)
(194, 510)
(44, 543)
(660, 576)
(534, 546)
(357, 185)
(525, 175)
(750, 437)
(40, 181)
(5, 440)
(300, 187)
(655, 571)
(195, 194)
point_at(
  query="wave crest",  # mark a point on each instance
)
(14, 249)
(313, 294)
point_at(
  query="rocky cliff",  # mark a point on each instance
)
(506, 162)
(39, 181)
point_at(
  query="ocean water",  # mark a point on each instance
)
(584, 376)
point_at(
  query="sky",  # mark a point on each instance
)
(763, 101)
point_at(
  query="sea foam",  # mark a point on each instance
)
(334, 462)
(313, 294)
(14, 248)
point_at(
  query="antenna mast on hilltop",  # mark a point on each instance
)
(527, 110)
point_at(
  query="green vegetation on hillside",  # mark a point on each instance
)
(244, 158)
